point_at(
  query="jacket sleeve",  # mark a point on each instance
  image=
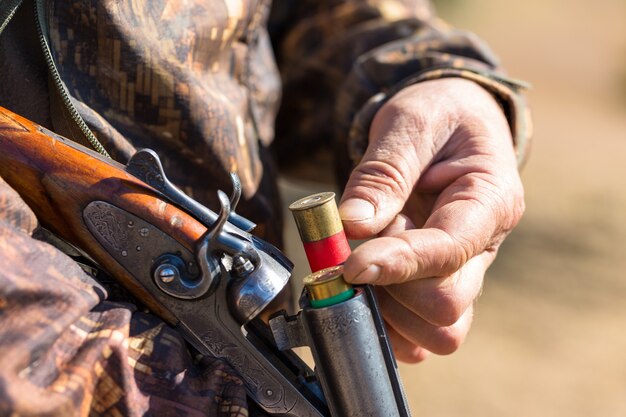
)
(341, 60)
(65, 350)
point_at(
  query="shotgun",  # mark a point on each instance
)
(202, 272)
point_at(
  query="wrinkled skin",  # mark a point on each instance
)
(439, 190)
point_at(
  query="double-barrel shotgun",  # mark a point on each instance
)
(206, 275)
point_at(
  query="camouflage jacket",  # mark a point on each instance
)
(199, 82)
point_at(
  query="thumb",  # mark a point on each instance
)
(400, 146)
(376, 192)
(370, 202)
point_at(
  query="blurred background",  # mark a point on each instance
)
(549, 336)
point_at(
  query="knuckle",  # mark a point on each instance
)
(503, 197)
(461, 250)
(443, 308)
(513, 206)
(453, 252)
(510, 187)
(382, 177)
(405, 265)
(464, 248)
(415, 356)
(514, 189)
(396, 273)
(519, 207)
(447, 340)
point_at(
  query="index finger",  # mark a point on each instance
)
(470, 216)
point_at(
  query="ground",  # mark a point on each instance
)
(549, 336)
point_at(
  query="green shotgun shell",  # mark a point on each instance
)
(327, 287)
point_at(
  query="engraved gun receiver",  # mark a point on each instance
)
(239, 275)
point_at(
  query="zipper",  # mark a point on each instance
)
(7, 12)
(56, 77)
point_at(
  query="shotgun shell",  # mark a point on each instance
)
(327, 287)
(321, 230)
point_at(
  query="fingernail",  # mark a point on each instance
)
(355, 209)
(368, 275)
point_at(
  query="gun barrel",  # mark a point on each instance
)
(345, 331)
(349, 358)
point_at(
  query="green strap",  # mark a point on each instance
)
(7, 10)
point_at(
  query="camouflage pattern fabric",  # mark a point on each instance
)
(200, 82)
(66, 351)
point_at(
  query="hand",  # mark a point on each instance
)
(439, 186)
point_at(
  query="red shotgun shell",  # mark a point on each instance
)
(321, 230)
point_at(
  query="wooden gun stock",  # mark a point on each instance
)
(58, 179)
